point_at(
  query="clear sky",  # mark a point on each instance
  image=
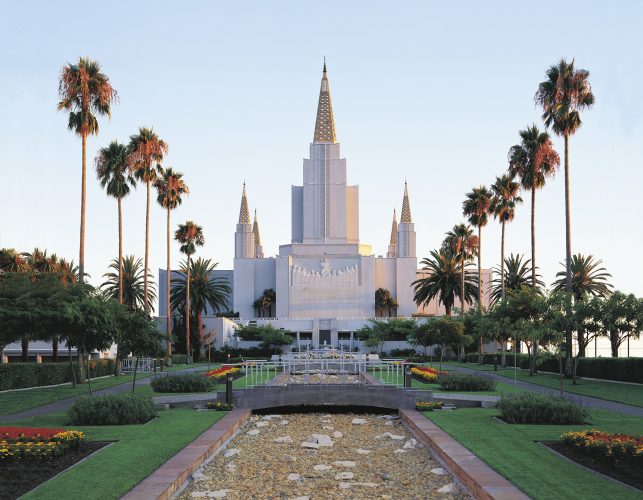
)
(427, 91)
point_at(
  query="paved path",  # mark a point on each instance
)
(588, 401)
(64, 404)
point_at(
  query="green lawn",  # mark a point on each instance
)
(138, 451)
(513, 451)
(613, 391)
(15, 401)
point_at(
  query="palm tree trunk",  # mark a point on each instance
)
(480, 288)
(24, 345)
(120, 252)
(187, 311)
(83, 196)
(147, 243)
(533, 263)
(503, 359)
(167, 312)
(462, 261)
(54, 347)
(200, 325)
(568, 264)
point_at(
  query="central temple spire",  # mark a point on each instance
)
(325, 123)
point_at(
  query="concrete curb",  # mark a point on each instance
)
(168, 479)
(480, 479)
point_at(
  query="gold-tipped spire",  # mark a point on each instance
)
(255, 230)
(394, 229)
(406, 207)
(325, 123)
(244, 215)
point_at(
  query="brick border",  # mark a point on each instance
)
(169, 477)
(480, 479)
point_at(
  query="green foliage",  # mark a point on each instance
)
(381, 330)
(588, 278)
(179, 359)
(133, 283)
(270, 337)
(517, 275)
(455, 381)
(188, 382)
(532, 408)
(621, 369)
(218, 405)
(384, 301)
(402, 353)
(21, 375)
(120, 409)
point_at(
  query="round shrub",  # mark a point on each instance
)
(187, 382)
(458, 381)
(118, 409)
(532, 408)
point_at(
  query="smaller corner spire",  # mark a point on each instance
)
(244, 215)
(393, 239)
(406, 206)
(255, 230)
(324, 64)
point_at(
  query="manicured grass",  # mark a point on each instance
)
(630, 394)
(15, 401)
(137, 452)
(513, 451)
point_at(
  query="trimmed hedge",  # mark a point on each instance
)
(457, 381)
(188, 382)
(118, 409)
(532, 408)
(23, 375)
(179, 359)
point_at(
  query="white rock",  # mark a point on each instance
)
(294, 477)
(359, 421)
(344, 475)
(308, 444)
(395, 437)
(231, 466)
(328, 428)
(344, 486)
(199, 494)
(322, 467)
(253, 432)
(449, 488)
(283, 422)
(270, 417)
(362, 451)
(231, 452)
(289, 458)
(322, 439)
(301, 498)
(389, 423)
(410, 444)
(218, 494)
(263, 423)
(337, 434)
(283, 439)
(438, 471)
(199, 476)
(344, 463)
(399, 450)
(388, 417)
(368, 485)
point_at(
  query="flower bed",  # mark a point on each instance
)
(603, 445)
(428, 405)
(221, 373)
(24, 443)
(426, 374)
(218, 405)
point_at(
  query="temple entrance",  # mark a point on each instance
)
(324, 338)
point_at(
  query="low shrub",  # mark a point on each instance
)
(402, 353)
(119, 409)
(218, 405)
(179, 359)
(428, 405)
(532, 408)
(186, 382)
(605, 446)
(221, 356)
(456, 381)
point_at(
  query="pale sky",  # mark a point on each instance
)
(426, 91)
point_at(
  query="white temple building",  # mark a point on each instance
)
(325, 278)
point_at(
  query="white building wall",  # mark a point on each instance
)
(352, 214)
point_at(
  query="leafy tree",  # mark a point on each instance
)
(443, 281)
(265, 302)
(379, 331)
(464, 244)
(587, 322)
(385, 301)
(145, 149)
(517, 275)
(114, 177)
(424, 335)
(133, 280)
(620, 318)
(588, 278)
(170, 188)
(270, 337)
(85, 92)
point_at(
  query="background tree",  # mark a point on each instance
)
(133, 283)
(587, 322)
(443, 281)
(517, 275)
(449, 334)
(115, 178)
(588, 278)
(145, 149)
(424, 335)
(464, 244)
(385, 301)
(12, 261)
(170, 189)
(620, 318)
(265, 302)
(85, 92)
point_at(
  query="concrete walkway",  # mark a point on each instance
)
(64, 404)
(587, 401)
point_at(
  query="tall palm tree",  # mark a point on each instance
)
(204, 291)
(517, 275)
(170, 188)
(443, 280)
(464, 244)
(588, 278)
(145, 150)
(503, 207)
(533, 161)
(189, 235)
(116, 179)
(133, 282)
(85, 92)
(67, 272)
(12, 261)
(565, 92)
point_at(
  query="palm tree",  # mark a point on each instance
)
(588, 278)
(464, 244)
(133, 282)
(144, 150)
(443, 281)
(170, 188)
(563, 95)
(67, 272)
(533, 161)
(115, 178)
(190, 235)
(204, 291)
(503, 207)
(85, 92)
(517, 275)
(12, 261)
